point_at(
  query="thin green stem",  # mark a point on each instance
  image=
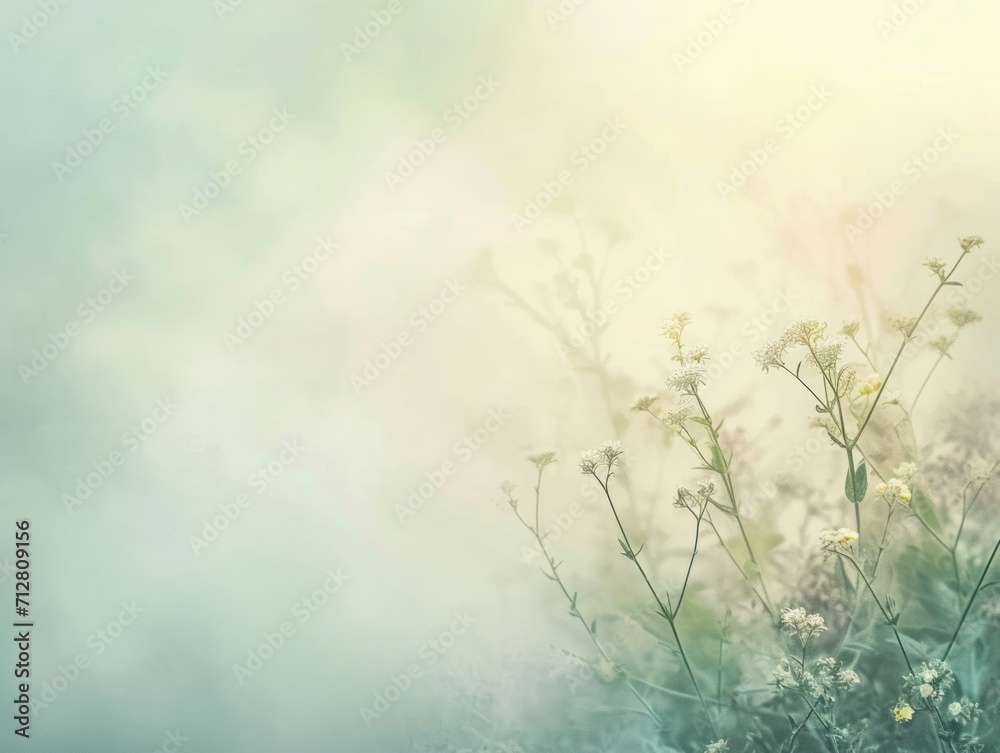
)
(907, 336)
(667, 614)
(889, 621)
(926, 380)
(727, 479)
(972, 599)
(553, 567)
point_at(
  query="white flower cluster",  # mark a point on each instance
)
(826, 351)
(821, 682)
(692, 353)
(931, 682)
(963, 711)
(807, 331)
(687, 378)
(962, 316)
(687, 498)
(801, 625)
(607, 454)
(838, 540)
(893, 492)
(719, 746)
(673, 326)
(681, 412)
(970, 242)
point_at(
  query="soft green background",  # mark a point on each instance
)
(324, 177)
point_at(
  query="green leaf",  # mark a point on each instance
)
(857, 491)
(835, 440)
(702, 421)
(718, 426)
(593, 628)
(718, 461)
(953, 282)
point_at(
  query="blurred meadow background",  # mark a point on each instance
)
(415, 242)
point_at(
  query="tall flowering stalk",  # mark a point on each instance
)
(540, 461)
(686, 380)
(603, 460)
(824, 353)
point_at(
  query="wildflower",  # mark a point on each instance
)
(803, 626)
(902, 712)
(770, 354)
(692, 353)
(942, 344)
(870, 385)
(687, 378)
(825, 352)
(680, 413)
(645, 403)
(706, 489)
(719, 746)
(607, 454)
(964, 711)
(937, 267)
(970, 242)
(606, 670)
(931, 682)
(803, 331)
(906, 471)
(825, 422)
(674, 325)
(830, 676)
(542, 459)
(904, 326)
(962, 316)
(841, 539)
(894, 491)
(850, 329)
(847, 679)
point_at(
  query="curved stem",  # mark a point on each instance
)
(667, 614)
(553, 568)
(972, 598)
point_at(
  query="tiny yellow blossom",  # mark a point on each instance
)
(902, 712)
(870, 385)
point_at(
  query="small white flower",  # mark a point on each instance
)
(673, 326)
(803, 626)
(926, 691)
(847, 679)
(970, 242)
(607, 454)
(894, 491)
(840, 539)
(906, 471)
(825, 352)
(692, 353)
(719, 746)
(803, 331)
(955, 709)
(771, 354)
(687, 378)
(681, 412)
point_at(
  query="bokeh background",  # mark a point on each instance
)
(694, 88)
